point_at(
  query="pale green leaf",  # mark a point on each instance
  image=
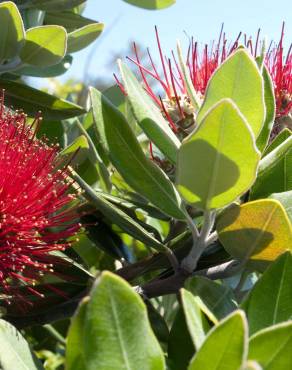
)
(82, 37)
(218, 162)
(270, 105)
(44, 46)
(225, 347)
(12, 32)
(15, 352)
(271, 347)
(151, 4)
(196, 321)
(239, 79)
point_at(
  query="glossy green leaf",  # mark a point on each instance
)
(274, 173)
(15, 352)
(74, 352)
(151, 4)
(285, 199)
(225, 347)
(127, 156)
(278, 140)
(271, 347)
(149, 116)
(32, 101)
(218, 162)
(117, 216)
(82, 37)
(219, 298)
(235, 79)
(270, 300)
(118, 333)
(196, 321)
(258, 230)
(46, 72)
(12, 32)
(270, 105)
(44, 46)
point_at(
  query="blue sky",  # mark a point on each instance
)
(201, 19)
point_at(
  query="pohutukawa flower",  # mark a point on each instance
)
(280, 67)
(36, 211)
(201, 63)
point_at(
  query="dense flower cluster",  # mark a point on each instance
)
(36, 216)
(201, 64)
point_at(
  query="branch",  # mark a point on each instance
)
(174, 283)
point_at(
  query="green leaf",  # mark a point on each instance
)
(194, 99)
(285, 199)
(79, 143)
(225, 347)
(74, 352)
(217, 163)
(279, 139)
(180, 345)
(127, 156)
(196, 321)
(44, 46)
(217, 297)
(51, 4)
(117, 216)
(259, 230)
(70, 21)
(32, 101)
(118, 333)
(274, 173)
(12, 32)
(149, 116)
(270, 300)
(82, 37)
(103, 173)
(45, 72)
(236, 78)
(271, 347)
(270, 105)
(15, 352)
(158, 323)
(252, 365)
(151, 4)
(32, 18)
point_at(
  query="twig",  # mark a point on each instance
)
(200, 241)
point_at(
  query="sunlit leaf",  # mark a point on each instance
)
(44, 46)
(218, 161)
(258, 230)
(12, 32)
(239, 79)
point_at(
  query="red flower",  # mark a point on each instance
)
(280, 67)
(35, 213)
(202, 63)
